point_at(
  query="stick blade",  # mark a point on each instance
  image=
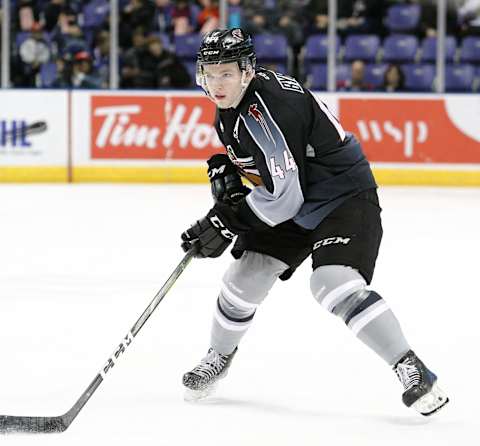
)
(10, 424)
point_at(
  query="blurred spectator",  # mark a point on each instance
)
(27, 14)
(163, 16)
(469, 17)
(360, 16)
(316, 13)
(428, 20)
(287, 22)
(130, 67)
(77, 72)
(256, 21)
(208, 17)
(137, 13)
(101, 54)
(357, 79)
(51, 13)
(155, 67)
(393, 79)
(33, 52)
(184, 17)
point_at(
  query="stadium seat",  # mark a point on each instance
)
(361, 46)
(48, 73)
(344, 72)
(95, 13)
(191, 67)
(402, 18)
(318, 76)
(470, 49)
(400, 48)
(429, 49)
(459, 77)
(419, 77)
(374, 74)
(271, 47)
(316, 49)
(186, 46)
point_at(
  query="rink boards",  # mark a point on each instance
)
(166, 136)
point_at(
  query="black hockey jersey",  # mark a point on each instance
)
(296, 153)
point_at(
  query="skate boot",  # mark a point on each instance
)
(203, 379)
(421, 390)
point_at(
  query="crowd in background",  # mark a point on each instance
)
(65, 43)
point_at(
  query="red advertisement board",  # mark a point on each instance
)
(152, 127)
(410, 130)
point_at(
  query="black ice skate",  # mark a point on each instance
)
(202, 380)
(421, 389)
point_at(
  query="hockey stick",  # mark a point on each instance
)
(18, 424)
(25, 130)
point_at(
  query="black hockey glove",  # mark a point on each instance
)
(213, 233)
(226, 183)
(210, 234)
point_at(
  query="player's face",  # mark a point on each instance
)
(224, 82)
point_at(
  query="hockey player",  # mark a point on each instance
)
(313, 195)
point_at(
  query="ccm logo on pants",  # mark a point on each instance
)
(331, 241)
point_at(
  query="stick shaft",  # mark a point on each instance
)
(10, 423)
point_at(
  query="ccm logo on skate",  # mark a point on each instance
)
(126, 341)
(331, 241)
(224, 231)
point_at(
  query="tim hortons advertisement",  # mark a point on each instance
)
(165, 127)
(423, 130)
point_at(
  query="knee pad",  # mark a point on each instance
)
(331, 285)
(247, 282)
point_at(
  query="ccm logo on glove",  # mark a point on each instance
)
(217, 223)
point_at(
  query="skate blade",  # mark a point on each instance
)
(192, 396)
(431, 402)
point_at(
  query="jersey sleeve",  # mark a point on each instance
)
(280, 197)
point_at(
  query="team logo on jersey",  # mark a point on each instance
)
(237, 33)
(256, 114)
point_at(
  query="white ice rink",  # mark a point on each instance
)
(79, 264)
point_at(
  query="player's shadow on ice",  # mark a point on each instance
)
(409, 420)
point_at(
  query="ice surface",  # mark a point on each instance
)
(79, 264)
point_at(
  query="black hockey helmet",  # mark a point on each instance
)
(227, 45)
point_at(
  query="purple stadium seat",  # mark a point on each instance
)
(318, 76)
(400, 48)
(48, 73)
(470, 49)
(271, 47)
(429, 49)
(192, 71)
(316, 48)
(361, 46)
(459, 77)
(419, 77)
(95, 12)
(344, 72)
(186, 46)
(374, 74)
(402, 18)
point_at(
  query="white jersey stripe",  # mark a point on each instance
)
(331, 118)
